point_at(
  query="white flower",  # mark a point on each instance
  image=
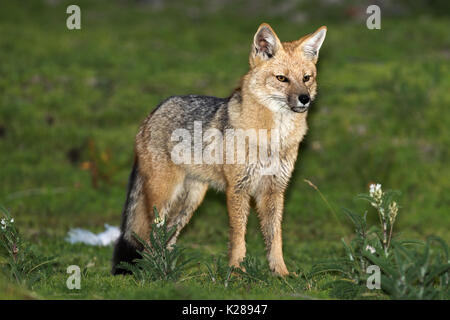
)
(374, 188)
(159, 222)
(3, 222)
(376, 193)
(12, 220)
(393, 210)
(370, 249)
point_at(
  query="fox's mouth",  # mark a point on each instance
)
(300, 108)
(296, 106)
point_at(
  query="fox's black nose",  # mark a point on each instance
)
(303, 98)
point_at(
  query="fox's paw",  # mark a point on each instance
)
(236, 266)
(280, 270)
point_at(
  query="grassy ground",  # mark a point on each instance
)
(74, 99)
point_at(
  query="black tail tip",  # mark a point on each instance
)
(124, 251)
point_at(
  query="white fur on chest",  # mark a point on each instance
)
(284, 122)
(275, 173)
(290, 126)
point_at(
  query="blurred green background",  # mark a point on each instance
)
(71, 102)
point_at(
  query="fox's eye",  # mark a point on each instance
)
(306, 78)
(282, 79)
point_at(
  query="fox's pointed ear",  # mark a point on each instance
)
(265, 44)
(311, 44)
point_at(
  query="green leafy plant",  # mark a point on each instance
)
(413, 273)
(218, 270)
(19, 261)
(159, 260)
(409, 269)
(252, 271)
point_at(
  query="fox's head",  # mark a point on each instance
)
(283, 75)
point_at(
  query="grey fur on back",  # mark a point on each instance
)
(180, 112)
(184, 110)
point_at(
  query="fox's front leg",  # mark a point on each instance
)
(269, 204)
(238, 203)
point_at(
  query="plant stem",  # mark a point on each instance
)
(385, 236)
(390, 235)
(325, 200)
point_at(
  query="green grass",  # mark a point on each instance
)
(380, 117)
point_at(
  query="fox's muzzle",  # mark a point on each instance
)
(300, 109)
(299, 103)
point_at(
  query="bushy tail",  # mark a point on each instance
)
(124, 249)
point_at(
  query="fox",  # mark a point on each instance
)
(274, 95)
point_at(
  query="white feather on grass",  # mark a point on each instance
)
(105, 238)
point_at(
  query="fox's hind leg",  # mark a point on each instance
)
(188, 201)
(151, 185)
(163, 183)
